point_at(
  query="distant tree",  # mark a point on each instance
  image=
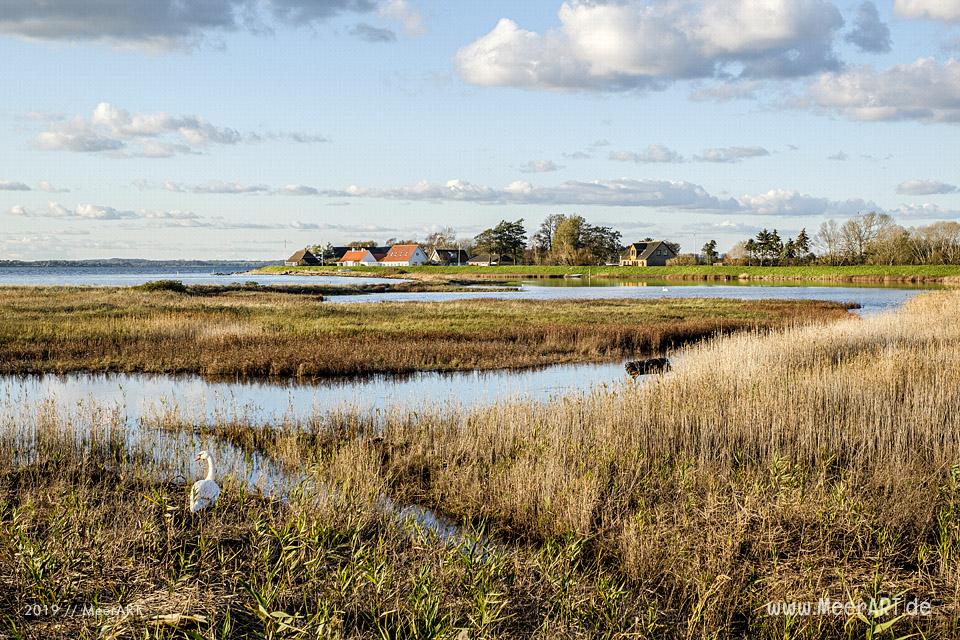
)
(323, 252)
(541, 243)
(507, 238)
(567, 242)
(602, 244)
(828, 242)
(445, 237)
(363, 243)
(710, 252)
(802, 244)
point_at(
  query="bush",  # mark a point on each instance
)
(685, 260)
(162, 285)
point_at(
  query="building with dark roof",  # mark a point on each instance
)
(654, 253)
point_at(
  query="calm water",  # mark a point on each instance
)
(138, 400)
(143, 395)
(126, 276)
(870, 299)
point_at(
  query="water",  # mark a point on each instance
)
(130, 275)
(138, 401)
(871, 299)
(204, 401)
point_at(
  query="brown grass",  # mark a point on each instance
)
(815, 462)
(275, 334)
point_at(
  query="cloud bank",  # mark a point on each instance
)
(163, 25)
(618, 46)
(120, 133)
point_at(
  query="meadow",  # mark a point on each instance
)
(795, 465)
(281, 332)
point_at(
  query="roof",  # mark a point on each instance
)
(354, 255)
(302, 255)
(451, 254)
(401, 252)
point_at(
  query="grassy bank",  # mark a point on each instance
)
(270, 333)
(863, 273)
(821, 462)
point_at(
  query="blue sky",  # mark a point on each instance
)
(248, 128)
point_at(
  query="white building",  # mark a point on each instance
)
(404, 255)
(358, 257)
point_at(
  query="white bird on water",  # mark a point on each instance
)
(205, 492)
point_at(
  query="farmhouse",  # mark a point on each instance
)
(301, 258)
(358, 257)
(404, 255)
(449, 257)
(654, 253)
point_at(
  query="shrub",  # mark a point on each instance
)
(162, 285)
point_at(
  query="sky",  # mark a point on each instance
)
(246, 129)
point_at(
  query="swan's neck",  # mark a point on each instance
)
(209, 469)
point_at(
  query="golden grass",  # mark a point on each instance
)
(812, 462)
(274, 334)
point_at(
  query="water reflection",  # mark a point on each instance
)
(871, 299)
(139, 396)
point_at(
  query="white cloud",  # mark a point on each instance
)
(81, 142)
(925, 187)
(149, 135)
(10, 185)
(731, 154)
(98, 212)
(298, 190)
(402, 12)
(924, 90)
(869, 33)
(49, 188)
(646, 45)
(215, 186)
(839, 155)
(653, 153)
(925, 211)
(783, 202)
(947, 10)
(540, 166)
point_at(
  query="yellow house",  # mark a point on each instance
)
(647, 254)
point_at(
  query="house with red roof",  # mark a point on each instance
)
(358, 257)
(404, 255)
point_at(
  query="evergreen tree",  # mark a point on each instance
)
(710, 252)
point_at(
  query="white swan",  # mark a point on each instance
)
(204, 492)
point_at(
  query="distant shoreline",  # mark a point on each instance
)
(133, 262)
(899, 274)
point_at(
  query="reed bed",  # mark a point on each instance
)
(818, 462)
(808, 463)
(257, 333)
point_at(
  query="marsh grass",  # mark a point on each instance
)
(809, 462)
(817, 462)
(266, 333)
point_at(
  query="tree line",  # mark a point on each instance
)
(868, 238)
